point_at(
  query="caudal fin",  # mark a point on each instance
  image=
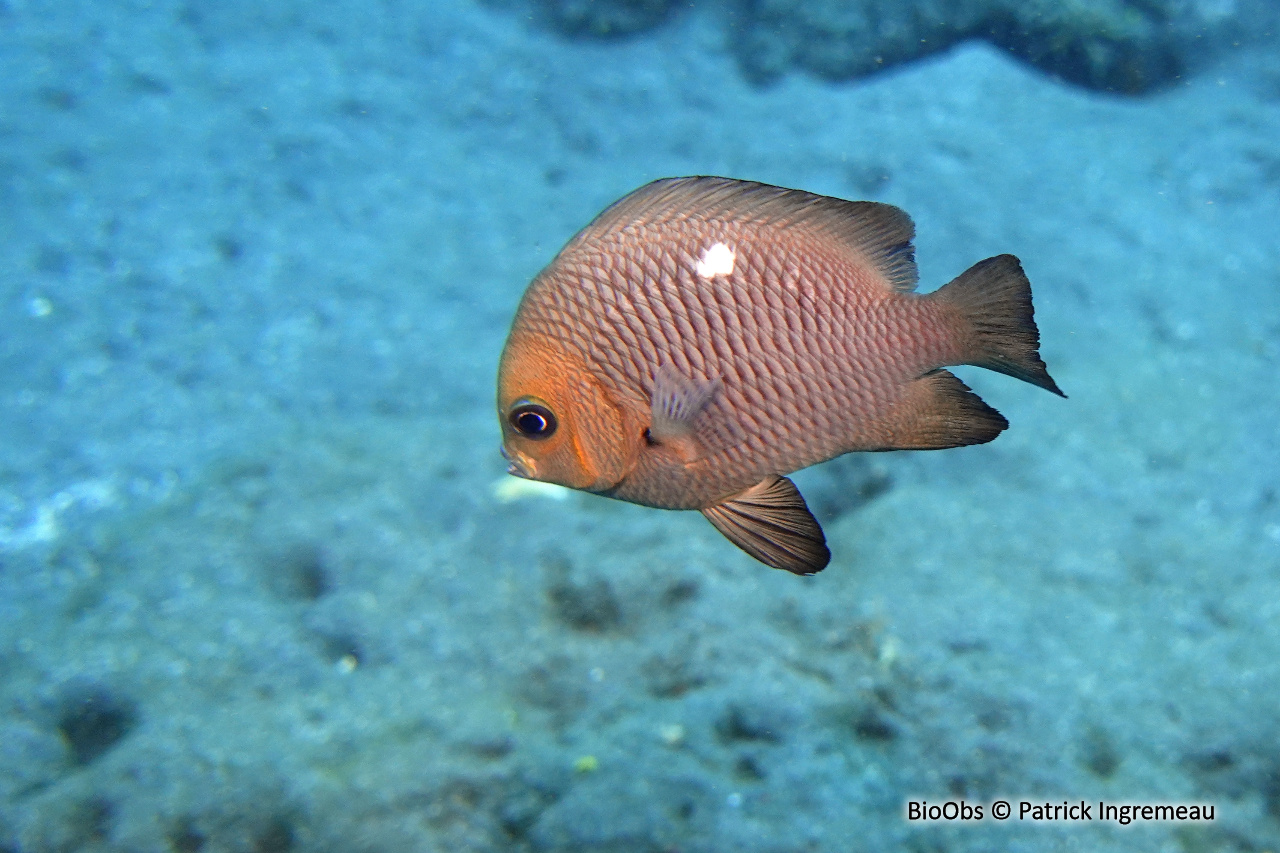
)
(993, 298)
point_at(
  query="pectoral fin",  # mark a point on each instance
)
(771, 522)
(677, 403)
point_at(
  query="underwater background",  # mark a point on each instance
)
(265, 587)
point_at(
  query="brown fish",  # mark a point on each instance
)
(703, 337)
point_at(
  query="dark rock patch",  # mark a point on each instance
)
(752, 721)
(671, 674)
(586, 604)
(1099, 753)
(277, 835)
(1123, 46)
(342, 647)
(604, 18)
(554, 685)
(94, 719)
(302, 573)
(844, 485)
(184, 837)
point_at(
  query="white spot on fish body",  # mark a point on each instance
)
(717, 259)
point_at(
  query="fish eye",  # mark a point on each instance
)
(533, 420)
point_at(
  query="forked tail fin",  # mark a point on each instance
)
(993, 298)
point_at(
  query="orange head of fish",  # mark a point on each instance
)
(559, 424)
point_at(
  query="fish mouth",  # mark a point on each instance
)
(516, 466)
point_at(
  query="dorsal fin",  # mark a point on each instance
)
(879, 233)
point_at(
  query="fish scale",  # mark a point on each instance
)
(704, 337)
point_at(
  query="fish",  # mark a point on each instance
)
(704, 337)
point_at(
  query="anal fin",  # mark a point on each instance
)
(940, 412)
(771, 522)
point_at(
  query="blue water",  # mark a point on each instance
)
(264, 585)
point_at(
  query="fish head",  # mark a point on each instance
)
(559, 423)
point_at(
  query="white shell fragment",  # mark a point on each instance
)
(510, 489)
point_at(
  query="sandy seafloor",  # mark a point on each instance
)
(258, 592)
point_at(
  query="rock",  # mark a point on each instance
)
(1101, 44)
(1128, 46)
(604, 17)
